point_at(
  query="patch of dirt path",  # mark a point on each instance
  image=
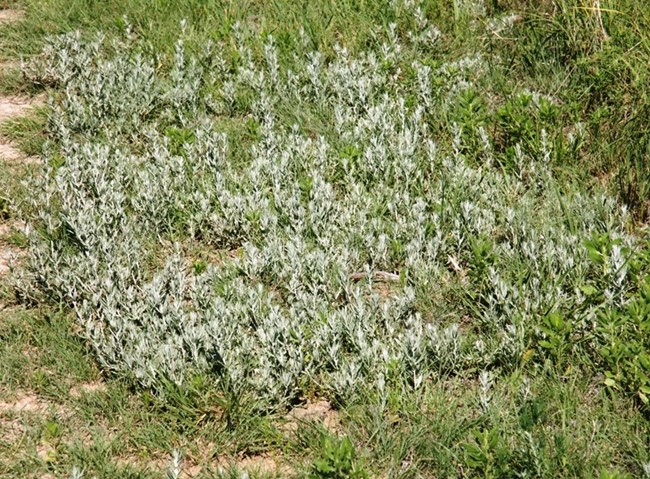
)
(31, 403)
(9, 254)
(10, 153)
(11, 410)
(16, 106)
(8, 257)
(7, 228)
(10, 15)
(264, 465)
(13, 107)
(315, 412)
(89, 388)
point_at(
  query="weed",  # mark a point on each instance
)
(337, 461)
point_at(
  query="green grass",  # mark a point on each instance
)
(12, 81)
(601, 82)
(549, 417)
(28, 132)
(348, 22)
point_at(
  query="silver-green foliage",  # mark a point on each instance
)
(371, 188)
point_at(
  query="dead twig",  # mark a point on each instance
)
(377, 276)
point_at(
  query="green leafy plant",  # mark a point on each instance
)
(337, 461)
(622, 330)
(624, 339)
(529, 123)
(179, 138)
(487, 454)
(532, 412)
(607, 474)
(557, 340)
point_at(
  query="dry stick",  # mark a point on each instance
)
(377, 276)
(599, 15)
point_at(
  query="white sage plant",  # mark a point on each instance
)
(331, 213)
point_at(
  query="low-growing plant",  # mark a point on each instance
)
(487, 454)
(558, 333)
(624, 345)
(330, 238)
(377, 208)
(337, 461)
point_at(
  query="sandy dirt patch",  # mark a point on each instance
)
(8, 258)
(16, 106)
(87, 388)
(319, 412)
(9, 15)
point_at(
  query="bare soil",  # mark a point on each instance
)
(9, 15)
